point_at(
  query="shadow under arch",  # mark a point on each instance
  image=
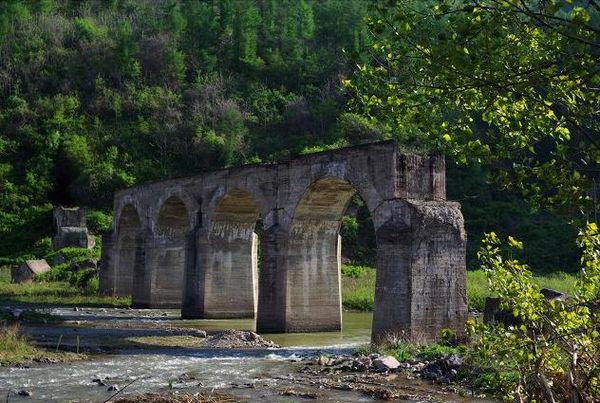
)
(313, 282)
(128, 244)
(231, 261)
(170, 254)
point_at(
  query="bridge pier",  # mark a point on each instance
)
(420, 283)
(227, 262)
(271, 312)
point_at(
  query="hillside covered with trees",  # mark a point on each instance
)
(96, 96)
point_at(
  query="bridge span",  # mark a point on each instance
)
(191, 243)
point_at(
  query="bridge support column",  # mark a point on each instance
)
(159, 279)
(231, 271)
(141, 295)
(420, 287)
(313, 285)
(299, 286)
(224, 284)
(107, 273)
(192, 306)
(271, 314)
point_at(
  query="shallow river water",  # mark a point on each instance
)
(252, 374)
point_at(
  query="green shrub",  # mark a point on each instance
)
(403, 352)
(556, 347)
(436, 350)
(349, 270)
(98, 222)
(73, 255)
(60, 272)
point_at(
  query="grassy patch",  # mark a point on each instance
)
(16, 349)
(478, 289)
(59, 293)
(63, 284)
(358, 286)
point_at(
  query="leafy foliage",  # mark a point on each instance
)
(555, 350)
(511, 83)
(98, 96)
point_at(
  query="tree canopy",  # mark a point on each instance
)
(99, 95)
(509, 82)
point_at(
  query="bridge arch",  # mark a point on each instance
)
(173, 218)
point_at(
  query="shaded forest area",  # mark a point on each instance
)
(100, 95)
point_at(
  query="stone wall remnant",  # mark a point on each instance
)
(71, 228)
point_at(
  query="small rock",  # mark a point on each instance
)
(324, 360)
(113, 388)
(385, 363)
(24, 392)
(361, 363)
(299, 393)
(17, 314)
(87, 264)
(551, 294)
(453, 361)
(443, 379)
(198, 333)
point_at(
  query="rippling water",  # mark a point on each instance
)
(152, 370)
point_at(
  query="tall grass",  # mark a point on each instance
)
(478, 288)
(14, 347)
(358, 288)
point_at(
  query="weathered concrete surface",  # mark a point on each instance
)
(71, 229)
(191, 242)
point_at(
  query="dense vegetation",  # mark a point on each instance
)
(514, 84)
(100, 95)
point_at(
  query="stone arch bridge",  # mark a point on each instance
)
(191, 243)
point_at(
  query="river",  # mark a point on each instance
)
(251, 374)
